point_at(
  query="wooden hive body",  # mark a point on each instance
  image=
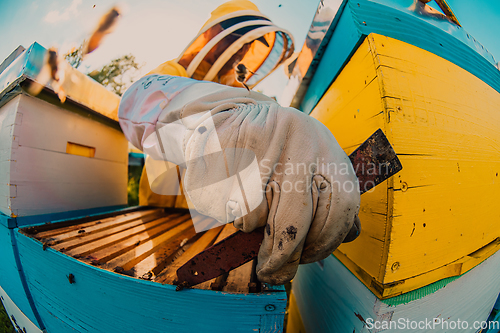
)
(436, 218)
(444, 306)
(124, 264)
(54, 160)
(58, 157)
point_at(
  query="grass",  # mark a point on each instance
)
(5, 324)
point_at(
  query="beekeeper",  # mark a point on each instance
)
(246, 158)
(237, 32)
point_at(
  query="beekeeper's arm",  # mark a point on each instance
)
(252, 161)
(161, 189)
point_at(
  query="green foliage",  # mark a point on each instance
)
(118, 75)
(134, 176)
(5, 324)
(75, 57)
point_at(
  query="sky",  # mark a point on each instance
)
(155, 31)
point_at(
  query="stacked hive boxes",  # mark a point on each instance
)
(427, 231)
(58, 157)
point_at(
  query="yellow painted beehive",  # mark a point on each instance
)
(437, 217)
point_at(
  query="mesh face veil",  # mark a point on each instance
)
(233, 35)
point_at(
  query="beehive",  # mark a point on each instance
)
(149, 244)
(437, 217)
(83, 273)
(57, 157)
(457, 303)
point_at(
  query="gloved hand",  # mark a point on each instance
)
(252, 161)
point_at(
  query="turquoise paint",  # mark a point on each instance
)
(414, 27)
(343, 43)
(102, 301)
(136, 155)
(494, 318)
(6, 221)
(393, 18)
(14, 222)
(12, 277)
(271, 324)
(28, 63)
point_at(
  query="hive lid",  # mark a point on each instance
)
(79, 88)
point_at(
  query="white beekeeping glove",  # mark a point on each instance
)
(249, 160)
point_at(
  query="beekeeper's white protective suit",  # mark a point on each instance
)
(305, 193)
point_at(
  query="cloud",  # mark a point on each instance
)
(56, 16)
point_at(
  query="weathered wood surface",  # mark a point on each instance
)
(425, 223)
(219, 282)
(10, 279)
(72, 230)
(150, 244)
(207, 239)
(7, 122)
(98, 297)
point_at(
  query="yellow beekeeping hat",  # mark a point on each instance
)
(237, 32)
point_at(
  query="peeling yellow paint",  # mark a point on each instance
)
(443, 123)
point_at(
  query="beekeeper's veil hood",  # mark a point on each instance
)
(236, 33)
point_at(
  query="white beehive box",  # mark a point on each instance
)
(58, 157)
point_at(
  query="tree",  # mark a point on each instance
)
(75, 56)
(118, 75)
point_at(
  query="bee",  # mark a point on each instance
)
(52, 72)
(53, 66)
(182, 285)
(184, 241)
(106, 26)
(71, 278)
(241, 72)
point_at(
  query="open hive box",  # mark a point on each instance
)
(149, 244)
(116, 272)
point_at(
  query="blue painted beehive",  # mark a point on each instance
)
(117, 273)
(64, 267)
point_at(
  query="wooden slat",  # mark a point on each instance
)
(183, 247)
(124, 229)
(170, 274)
(238, 279)
(113, 245)
(157, 261)
(70, 232)
(109, 253)
(145, 244)
(138, 253)
(228, 230)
